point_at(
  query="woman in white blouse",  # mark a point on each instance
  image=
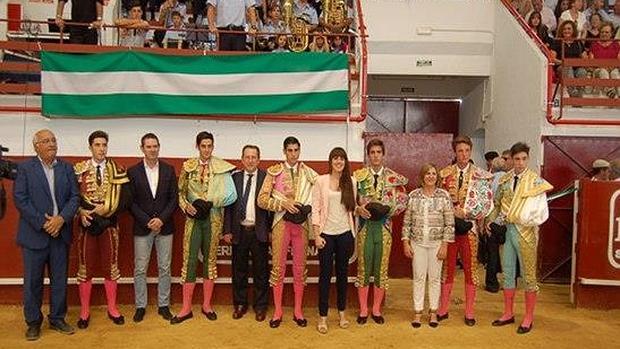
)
(427, 228)
(575, 14)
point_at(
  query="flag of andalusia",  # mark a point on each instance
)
(136, 83)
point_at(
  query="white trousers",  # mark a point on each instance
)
(426, 265)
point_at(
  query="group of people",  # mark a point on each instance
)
(287, 206)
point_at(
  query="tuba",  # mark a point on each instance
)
(334, 13)
(298, 40)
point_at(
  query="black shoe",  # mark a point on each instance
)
(239, 311)
(260, 315)
(165, 313)
(33, 332)
(442, 317)
(211, 315)
(378, 319)
(470, 322)
(178, 319)
(139, 315)
(416, 324)
(362, 319)
(275, 323)
(119, 320)
(500, 322)
(491, 289)
(62, 327)
(82, 324)
(524, 330)
(300, 322)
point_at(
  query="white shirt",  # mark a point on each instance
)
(250, 209)
(580, 22)
(49, 175)
(102, 164)
(464, 171)
(152, 175)
(337, 216)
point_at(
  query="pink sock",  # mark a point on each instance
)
(277, 300)
(110, 295)
(207, 288)
(470, 300)
(444, 299)
(509, 298)
(299, 300)
(378, 294)
(530, 304)
(188, 293)
(85, 288)
(362, 295)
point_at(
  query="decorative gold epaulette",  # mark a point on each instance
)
(361, 174)
(220, 166)
(446, 171)
(310, 173)
(190, 165)
(81, 167)
(394, 178)
(119, 174)
(275, 170)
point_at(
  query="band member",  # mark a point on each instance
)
(205, 188)
(155, 198)
(104, 193)
(287, 191)
(381, 195)
(46, 196)
(333, 203)
(464, 180)
(247, 227)
(521, 204)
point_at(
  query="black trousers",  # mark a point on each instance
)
(232, 42)
(247, 246)
(338, 246)
(493, 266)
(82, 35)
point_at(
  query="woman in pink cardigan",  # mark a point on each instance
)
(333, 203)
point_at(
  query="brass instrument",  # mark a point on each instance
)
(334, 15)
(298, 41)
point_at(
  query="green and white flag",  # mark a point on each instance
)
(136, 83)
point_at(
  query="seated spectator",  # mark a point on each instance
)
(547, 15)
(535, 22)
(593, 28)
(522, 6)
(305, 11)
(560, 7)
(282, 44)
(575, 14)
(133, 29)
(165, 17)
(606, 48)
(614, 18)
(338, 45)
(597, 6)
(319, 44)
(175, 38)
(573, 48)
(600, 170)
(273, 25)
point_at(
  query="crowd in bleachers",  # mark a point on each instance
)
(578, 29)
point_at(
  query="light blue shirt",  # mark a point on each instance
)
(306, 12)
(49, 175)
(231, 12)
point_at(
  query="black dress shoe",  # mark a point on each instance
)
(239, 311)
(442, 317)
(523, 330)
(361, 320)
(300, 322)
(62, 327)
(260, 315)
(500, 322)
(165, 313)
(83, 323)
(275, 323)
(33, 332)
(178, 319)
(119, 320)
(416, 324)
(378, 319)
(491, 289)
(211, 315)
(470, 322)
(139, 315)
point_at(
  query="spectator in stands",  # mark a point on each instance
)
(82, 12)
(232, 15)
(606, 48)
(488, 157)
(175, 38)
(594, 27)
(507, 157)
(273, 25)
(338, 27)
(614, 18)
(614, 165)
(522, 6)
(307, 12)
(338, 45)
(600, 170)
(133, 29)
(597, 6)
(547, 15)
(165, 18)
(568, 45)
(575, 14)
(282, 44)
(319, 44)
(535, 22)
(560, 7)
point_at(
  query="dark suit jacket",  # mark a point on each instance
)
(33, 200)
(144, 207)
(232, 218)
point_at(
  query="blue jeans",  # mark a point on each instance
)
(142, 255)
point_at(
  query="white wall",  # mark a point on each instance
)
(456, 35)
(470, 122)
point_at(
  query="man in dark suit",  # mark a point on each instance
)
(155, 198)
(247, 227)
(46, 195)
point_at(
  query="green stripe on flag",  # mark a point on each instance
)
(206, 65)
(153, 104)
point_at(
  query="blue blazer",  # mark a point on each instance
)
(33, 200)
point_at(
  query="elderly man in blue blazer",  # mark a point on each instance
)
(46, 196)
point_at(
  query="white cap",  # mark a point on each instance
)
(600, 163)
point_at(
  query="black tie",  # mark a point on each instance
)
(99, 179)
(460, 179)
(514, 184)
(376, 181)
(245, 196)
